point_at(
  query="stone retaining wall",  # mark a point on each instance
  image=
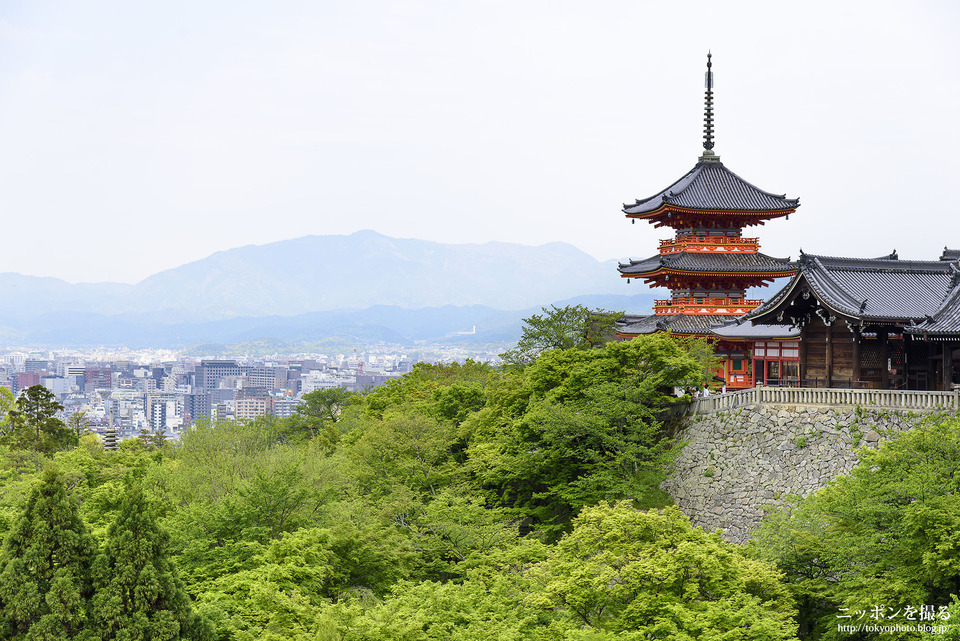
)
(737, 461)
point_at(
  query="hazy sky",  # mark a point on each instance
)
(137, 136)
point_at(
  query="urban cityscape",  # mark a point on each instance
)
(160, 392)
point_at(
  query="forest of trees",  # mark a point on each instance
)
(462, 502)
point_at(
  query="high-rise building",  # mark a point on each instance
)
(23, 380)
(98, 378)
(210, 372)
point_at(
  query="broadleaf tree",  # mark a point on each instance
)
(568, 327)
(575, 427)
(628, 574)
(884, 535)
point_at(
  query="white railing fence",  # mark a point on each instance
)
(878, 399)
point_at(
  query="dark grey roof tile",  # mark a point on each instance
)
(732, 329)
(921, 295)
(950, 254)
(710, 185)
(701, 262)
(946, 320)
(676, 323)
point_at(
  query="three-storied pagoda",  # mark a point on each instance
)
(708, 265)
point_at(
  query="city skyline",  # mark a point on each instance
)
(139, 138)
(144, 393)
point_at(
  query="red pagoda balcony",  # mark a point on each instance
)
(711, 305)
(710, 245)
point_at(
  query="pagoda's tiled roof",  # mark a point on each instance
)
(878, 289)
(676, 323)
(710, 263)
(749, 331)
(710, 185)
(702, 324)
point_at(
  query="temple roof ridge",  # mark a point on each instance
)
(926, 293)
(891, 263)
(945, 320)
(950, 254)
(831, 289)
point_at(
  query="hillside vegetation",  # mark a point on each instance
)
(461, 502)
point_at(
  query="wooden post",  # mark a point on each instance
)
(884, 357)
(907, 345)
(947, 366)
(856, 355)
(829, 364)
(802, 358)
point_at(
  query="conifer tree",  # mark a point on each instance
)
(35, 425)
(138, 594)
(45, 566)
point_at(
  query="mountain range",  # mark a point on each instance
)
(316, 287)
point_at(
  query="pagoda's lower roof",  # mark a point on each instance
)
(749, 331)
(702, 325)
(700, 263)
(699, 324)
(711, 186)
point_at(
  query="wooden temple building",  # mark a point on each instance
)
(708, 264)
(881, 323)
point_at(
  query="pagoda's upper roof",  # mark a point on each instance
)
(711, 186)
(916, 294)
(756, 263)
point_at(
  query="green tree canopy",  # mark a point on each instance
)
(444, 391)
(34, 424)
(621, 574)
(886, 535)
(628, 574)
(45, 583)
(78, 423)
(320, 410)
(575, 427)
(138, 594)
(325, 405)
(569, 327)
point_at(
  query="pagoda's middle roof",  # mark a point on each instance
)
(709, 263)
(711, 186)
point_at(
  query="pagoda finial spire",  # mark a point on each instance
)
(708, 113)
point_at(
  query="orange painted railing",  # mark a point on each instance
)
(710, 244)
(706, 305)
